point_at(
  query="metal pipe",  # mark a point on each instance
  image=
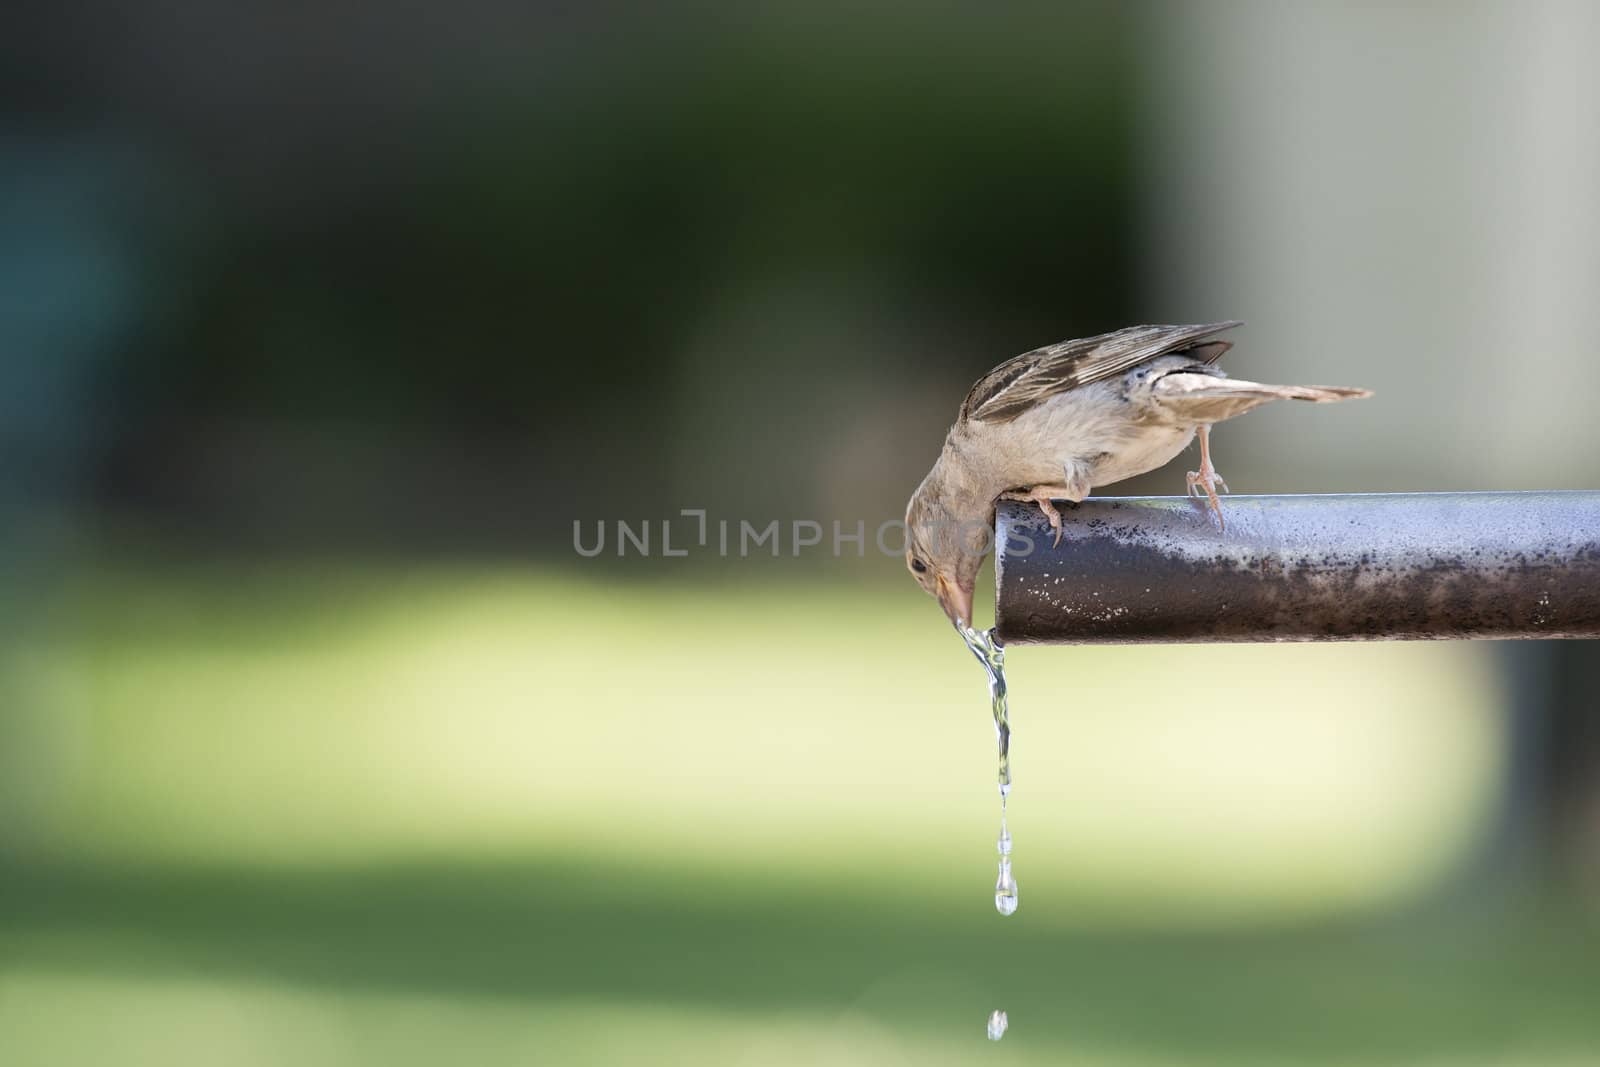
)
(1385, 566)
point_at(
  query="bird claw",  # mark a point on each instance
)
(1202, 485)
(1041, 495)
(1054, 516)
(1197, 488)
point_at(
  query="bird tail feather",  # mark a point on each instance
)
(1209, 398)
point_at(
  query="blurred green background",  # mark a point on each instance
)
(321, 327)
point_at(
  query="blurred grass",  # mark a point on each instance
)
(404, 963)
(325, 815)
(327, 718)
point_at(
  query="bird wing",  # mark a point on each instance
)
(1020, 383)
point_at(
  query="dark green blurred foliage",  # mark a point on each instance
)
(494, 299)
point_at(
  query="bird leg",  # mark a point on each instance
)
(1206, 479)
(1043, 495)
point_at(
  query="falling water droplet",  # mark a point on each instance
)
(1005, 890)
(997, 1025)
(1005, 886)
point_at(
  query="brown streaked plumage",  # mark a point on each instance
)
(1053, 423)
(1023, 381)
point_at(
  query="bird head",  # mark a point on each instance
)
(945, 549)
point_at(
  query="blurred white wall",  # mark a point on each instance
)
(1405, 197)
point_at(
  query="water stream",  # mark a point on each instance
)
(992, 655)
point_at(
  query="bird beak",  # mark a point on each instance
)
(956, 602)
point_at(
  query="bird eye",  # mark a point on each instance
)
(919, 566)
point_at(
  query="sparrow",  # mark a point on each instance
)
(1054, 423)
